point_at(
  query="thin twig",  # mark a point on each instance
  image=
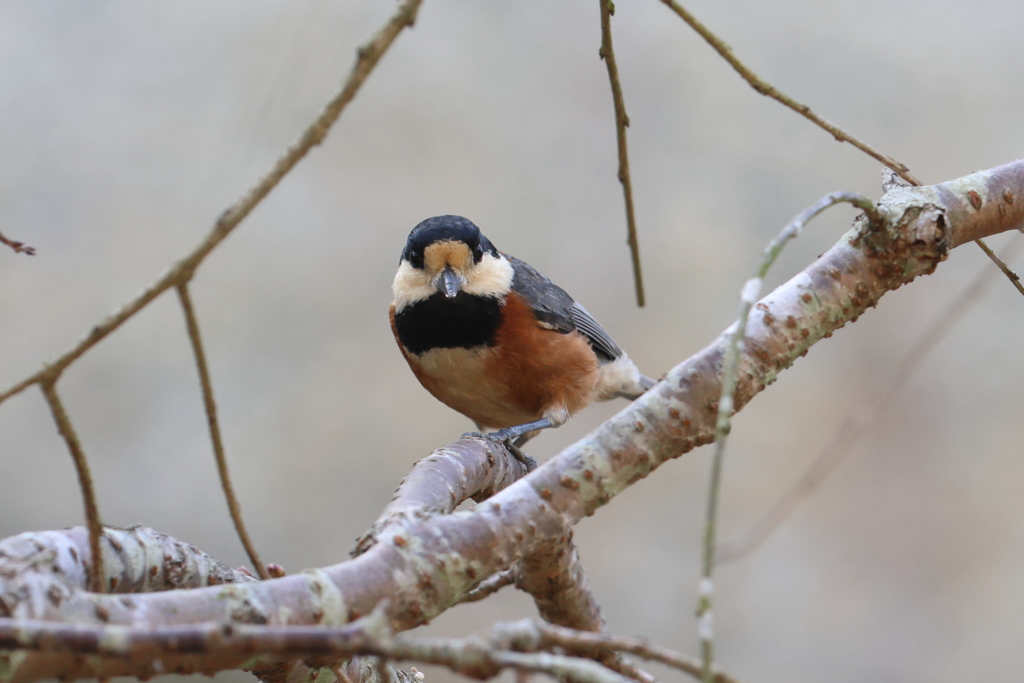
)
(18, 247)
(368, 56)
(490, 586)
(92, 513)
(1010, 275)
(751, 290)
(584, 641)
(211, 418)
(621, 122)
(767, 89)
(855, 427)
(525, 645)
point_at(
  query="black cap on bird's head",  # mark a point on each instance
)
(445, 229)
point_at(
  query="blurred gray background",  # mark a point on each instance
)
(126, 128)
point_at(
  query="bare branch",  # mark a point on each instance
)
(92, 513)
(116, 650)
(420, 567)
(368, 56)
(144, 652)
(751, 290)
(211, 418)
(1010, 275)
(769, 90)
(554, 577)
(854, 427)
(621, 122)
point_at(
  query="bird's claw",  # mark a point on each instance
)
(506, 440)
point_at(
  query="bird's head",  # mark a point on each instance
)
(447, 255)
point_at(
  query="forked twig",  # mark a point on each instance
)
(853, 429)
(180, 273)
(92, 513)
(621, 122)
(368, 56)
(771, 91)
(18, 247)
(211, 418)
(751, 290)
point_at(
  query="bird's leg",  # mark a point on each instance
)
(509, 434)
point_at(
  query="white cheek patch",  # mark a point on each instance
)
(491, 277)
(411, 285)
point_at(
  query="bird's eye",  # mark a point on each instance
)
(478, 253)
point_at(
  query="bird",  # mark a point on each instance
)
(493, 339)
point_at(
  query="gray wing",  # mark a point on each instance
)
(555, 308)
(599, 339)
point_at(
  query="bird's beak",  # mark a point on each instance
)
(449, 282)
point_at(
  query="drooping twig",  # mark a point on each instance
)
(92, 513)
(211, 418)
(768, 89)
(854, 427)
(621, 123)
(749, 296)
(18, 247)
(368, 56)
(1010, 275)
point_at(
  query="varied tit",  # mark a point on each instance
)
(491, 337)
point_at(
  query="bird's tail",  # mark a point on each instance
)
(645, 384)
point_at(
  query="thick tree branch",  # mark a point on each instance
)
(468, 469)
(421, 566)
(554, 576)
(40, 571)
